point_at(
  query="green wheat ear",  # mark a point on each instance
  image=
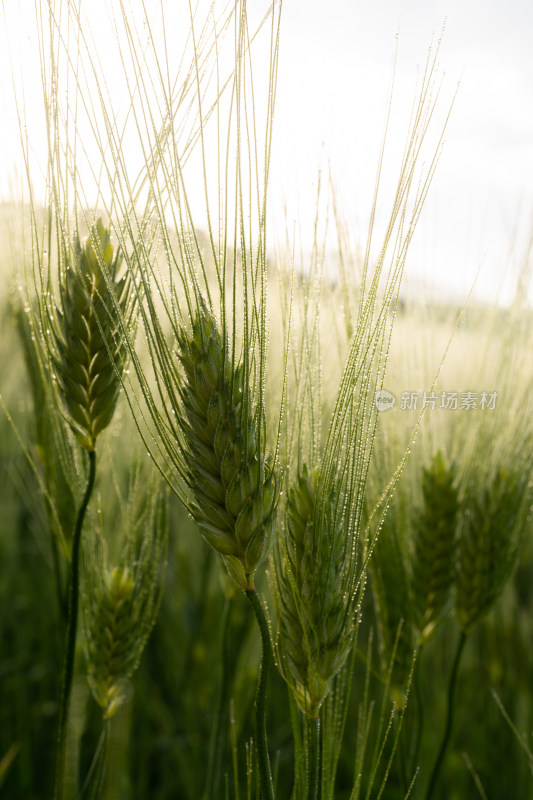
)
(434, 554)
(394, 611)
(315, 638)
(489, 545)
(110, 644)
(90, 350)
(121, 605)
(233, 482)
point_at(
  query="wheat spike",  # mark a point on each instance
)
(434, 553)
(90, 352)
(233, 482)
(121, 602)
(315, 631)
(113, 631)
(488, 545)
(394, 612)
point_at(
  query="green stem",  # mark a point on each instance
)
(265, 773)
(72, 622)
(96, 768)
(401, 755)
(449, 715)
(313, 753)
(419, 710)
(216, 745)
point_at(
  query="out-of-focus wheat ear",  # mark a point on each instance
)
(113, 632)
(434, 546)
(315, 630)
(232, 480)
(488, 546)
(121, 605)
(394, 611)
(88, 345)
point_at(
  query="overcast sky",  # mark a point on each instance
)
(334, 84)
(336, 69)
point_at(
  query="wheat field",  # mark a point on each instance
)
(267, 515)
